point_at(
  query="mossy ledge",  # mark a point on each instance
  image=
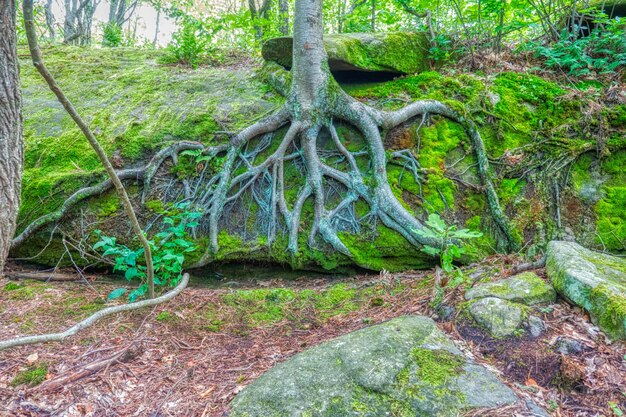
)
(519, 116)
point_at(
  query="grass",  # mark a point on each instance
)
(33, 375)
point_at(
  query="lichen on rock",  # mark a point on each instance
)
(592, 280)
(404, 367)
(525, 288)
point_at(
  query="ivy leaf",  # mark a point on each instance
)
(116, 293)
(430, 250)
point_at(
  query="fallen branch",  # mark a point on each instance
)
(530, 266)
(44, 276)
(123, 355)
(56, 337)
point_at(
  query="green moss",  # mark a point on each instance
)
(32, 376)
(611, 218)
(385, 249)
(165, 316)
(12, 286)
(107, 205)
(609, 310)
(436, 367)
(25, 291)
(133, 105)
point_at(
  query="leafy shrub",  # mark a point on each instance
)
(169, 248)
(112, 35)
(189, 44)
(449, 236)
(602, 51)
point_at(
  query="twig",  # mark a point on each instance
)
(55, 337)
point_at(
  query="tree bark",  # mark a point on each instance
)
(283, 9)
(50, 20)
(11, 142)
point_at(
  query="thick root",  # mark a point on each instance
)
(332, 190)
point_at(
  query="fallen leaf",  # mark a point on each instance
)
(32, 358)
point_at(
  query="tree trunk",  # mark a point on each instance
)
(50, 20)
(156, 30)
(283, 9)
(311, 76)
(11, 143)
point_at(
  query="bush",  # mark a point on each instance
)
(112, 35)
(603, 51)
(189, 45)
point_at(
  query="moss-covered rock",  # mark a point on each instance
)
(137, 107)
(595, 281)
(525, 288)
(499, 317)
(404, 367)
(400, 52)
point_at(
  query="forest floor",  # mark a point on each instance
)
(190, 356)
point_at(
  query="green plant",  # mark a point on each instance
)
(440, 49)
(32, 376)
(189, 44)
(602, 51)
(616, 409)
(112, 35)
(450, 238)
(169, 248)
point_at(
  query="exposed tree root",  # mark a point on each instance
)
(56, 337)
(333, 189)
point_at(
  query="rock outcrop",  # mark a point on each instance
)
(591, 280)
(406, 366)
(402, 53)
(502, 308)
(525, 288)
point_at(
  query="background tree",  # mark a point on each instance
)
(77, 26)
(11, 143)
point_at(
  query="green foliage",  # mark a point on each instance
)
(169, 248)
(32, 376)
(602, 51)
(112, 35)
(449, 235)
(190, 44)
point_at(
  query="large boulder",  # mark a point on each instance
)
(406, 366)
(526, 288)
(399, 52)
(592, 280)
(499, 317)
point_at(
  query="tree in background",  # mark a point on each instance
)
(77, 26)
(11, 143)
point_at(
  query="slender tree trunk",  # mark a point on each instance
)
(283, 9)
(11, 143)
(373, 19)
(50, 20)
(156, 30)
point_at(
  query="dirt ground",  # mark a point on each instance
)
(190, 356)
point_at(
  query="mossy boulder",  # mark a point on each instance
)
(399, 52)
(500, 318)
(404, 367)
(525, 288)
(592, 280)
(137, 107)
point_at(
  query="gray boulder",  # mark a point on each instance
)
(501, 318)
(591, 280)
(526, 288)
(406, 366)
(399, 52)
